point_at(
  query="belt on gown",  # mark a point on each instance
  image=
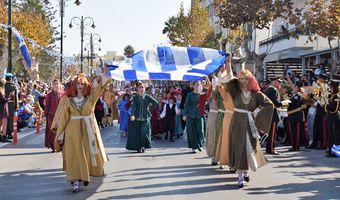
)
(225, 111)
(252, 125)
(213, 111)
(90, 134)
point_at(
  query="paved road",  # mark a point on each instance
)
(168, 171)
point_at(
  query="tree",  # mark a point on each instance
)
(192, 29)
(170, 25)
(177, 29)
(201, 31)
(129, 51)
(249, 15)
(32, 20)
(321, 18)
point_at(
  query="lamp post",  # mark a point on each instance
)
(82, 23)
(9, 67)
(93, 37)
(62, 4)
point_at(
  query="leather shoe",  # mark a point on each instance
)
(273, 153)
(292, 149)
(86, 183)
(246, 178)
(311, 146)
(240, 184)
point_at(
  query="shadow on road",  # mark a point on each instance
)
(42, 184)
(321, 189)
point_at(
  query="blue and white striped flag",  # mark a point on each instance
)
(23, 47)
(169, 63)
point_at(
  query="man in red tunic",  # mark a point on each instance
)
(51, 104)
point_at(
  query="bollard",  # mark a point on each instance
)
(15, 130)
(38, 123)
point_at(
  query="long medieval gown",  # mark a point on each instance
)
(222, 153)
(111, 101)
(139, 135)
(83, 147)
(211, 126)
(51, 104)
(124, 116)
(244, 147)
(178, 127)
(194, 119)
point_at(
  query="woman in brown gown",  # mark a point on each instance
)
(244, 147)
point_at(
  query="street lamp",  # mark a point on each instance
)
(9, 68)
(62, 3)
(93, 37)
(82, 23)
(62, 14)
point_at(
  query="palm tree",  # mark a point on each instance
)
(170, 24)
(129, 51)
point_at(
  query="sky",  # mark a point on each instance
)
(120, 23)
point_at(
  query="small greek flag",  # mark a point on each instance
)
(169, 63)
(23, 47)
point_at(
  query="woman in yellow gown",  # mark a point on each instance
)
(222, 152)
(78, 132)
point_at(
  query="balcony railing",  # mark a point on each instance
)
(281, 36)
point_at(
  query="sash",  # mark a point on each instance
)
(253, 128)
(90, 134)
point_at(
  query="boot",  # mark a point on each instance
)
(4, 139)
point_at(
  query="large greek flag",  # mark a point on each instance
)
(169, 63)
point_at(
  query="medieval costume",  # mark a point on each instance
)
(169, 115)
(244, 147)
(124, 114)
(78, 132)
(110, 97)
(222, 152)
(51, 104)
(193, 112)
(212, 126)
(178, 128)
(139, 137)
(156, 124)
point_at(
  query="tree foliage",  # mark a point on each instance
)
(320, 18)
(242, 17)
(259, 13)
(129, 51)
(33, 21)
(192, 29)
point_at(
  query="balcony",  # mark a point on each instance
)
(284, 41)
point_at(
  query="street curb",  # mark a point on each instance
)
(25, 135)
